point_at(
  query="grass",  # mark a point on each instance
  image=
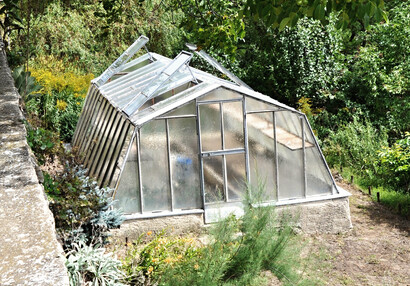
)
(398, 202)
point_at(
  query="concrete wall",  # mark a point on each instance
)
(29, 251)
(328, 216)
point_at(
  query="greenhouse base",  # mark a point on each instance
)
(326, 216)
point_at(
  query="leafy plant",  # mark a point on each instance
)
(90, 265)
(355, 145)
(24, 82)
(145, 263)
(82, 210)
(395, 163)
(9, 19)
(41, 141)
(237, 251)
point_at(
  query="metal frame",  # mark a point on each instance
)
(171, 187)
(149, 92)
(118, 63)
(92, 128)
(275, 147)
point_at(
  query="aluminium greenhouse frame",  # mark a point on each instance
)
(119, 120)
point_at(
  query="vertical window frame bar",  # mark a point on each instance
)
(171, 189)
(276, 154)
(138, 142)
(301, 118)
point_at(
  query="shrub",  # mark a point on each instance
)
(81, 209)
(146, 263)
(58, 104)
(90, 265)
(355, 145)
(395, 163)
(237, 252)
(24, 82)
(41, 141)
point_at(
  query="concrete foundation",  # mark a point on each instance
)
(130, 230)
(328, 216)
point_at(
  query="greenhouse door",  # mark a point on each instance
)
(222, 157)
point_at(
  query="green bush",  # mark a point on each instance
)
(90, 35)
(57, 105)
(395, 164)
(81, 209)
(237, 251)
(355, 145)
(41, 141)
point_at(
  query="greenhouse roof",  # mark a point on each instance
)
(133, 86)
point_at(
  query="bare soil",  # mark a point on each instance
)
(375, 252)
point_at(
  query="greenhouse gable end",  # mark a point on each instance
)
(172, 140)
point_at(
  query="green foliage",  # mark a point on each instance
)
(24, 82)
(279, 14)
(90, 265)
(9, 19)
(237, 252)
(355, 145)
(41, 141)
(395, 163)
(81, 209)
(304, 61)
(216, 24)
(89, 35)
(148, 262)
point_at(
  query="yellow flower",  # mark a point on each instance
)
(180, 256)
(150, 269)
(168, 260)
(149, 233)
(196, 266)
(61, 104)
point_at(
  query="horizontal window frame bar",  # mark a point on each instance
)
(222, 152)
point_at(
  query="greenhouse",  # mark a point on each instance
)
(172, 140)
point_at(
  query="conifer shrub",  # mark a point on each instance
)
(239, 249)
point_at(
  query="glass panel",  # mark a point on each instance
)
(290, 156)
(235, 169)
(166, 95)
(256, 105)
(233, 125)
(318, 179)
(187, 109)
(221, 94)
(262, 154)
(154, 167)
(210, 118)
(289, 130)
(290, 172)
(127, 197)
(184, 163)
(213, 179)
(290, 122)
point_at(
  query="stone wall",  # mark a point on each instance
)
(29, 251)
